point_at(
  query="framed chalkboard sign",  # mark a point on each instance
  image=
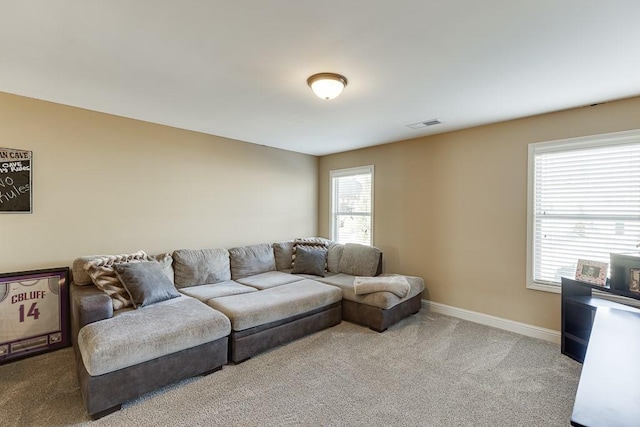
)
(34, 312)
(15, 181)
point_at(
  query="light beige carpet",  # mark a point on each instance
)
(428, 370)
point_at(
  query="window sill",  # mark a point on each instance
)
(546, 287)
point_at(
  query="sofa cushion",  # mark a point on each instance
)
(249, 260)
(278, 303)
(359, 260)
(269, 279)
(310, 260)
(314, 277)
(101, 269)
(166, 262)
(222, 289)
(145, 282)
(283, 252)
(136, 336)
(334, 254)
(200, 266)
(383, 300)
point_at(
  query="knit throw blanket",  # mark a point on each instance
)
(397, 285)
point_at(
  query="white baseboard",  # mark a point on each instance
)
(493, 321)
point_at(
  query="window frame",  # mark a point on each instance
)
(338, 173)
(569, 144)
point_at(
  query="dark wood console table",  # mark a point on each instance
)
(578, 311)
(610, 381)
(605, 337)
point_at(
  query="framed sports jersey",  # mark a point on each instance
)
(34, 312)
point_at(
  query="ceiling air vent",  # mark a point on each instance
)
(424, 124)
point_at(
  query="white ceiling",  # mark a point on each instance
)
(238, 69)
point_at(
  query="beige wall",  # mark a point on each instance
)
(105, 184)
(452, 208)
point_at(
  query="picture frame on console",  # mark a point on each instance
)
(625, 272)
(634, 280)
(592, 272)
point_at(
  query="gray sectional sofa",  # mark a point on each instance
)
(136, 319)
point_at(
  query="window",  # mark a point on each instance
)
(584, 203)
(352, 205)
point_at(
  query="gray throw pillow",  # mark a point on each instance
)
(310, 260)
(314, 242)
(145, 282)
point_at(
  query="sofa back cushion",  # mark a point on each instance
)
(283, 252)
(249, 260)
(359, 260)
(166, 262)
(334, 254)
(200, 266)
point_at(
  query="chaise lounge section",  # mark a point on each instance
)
(126, 353)
(376, 310)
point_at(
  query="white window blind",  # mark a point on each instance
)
(584, 203)
(352, 205)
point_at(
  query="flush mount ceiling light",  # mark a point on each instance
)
(327, 85)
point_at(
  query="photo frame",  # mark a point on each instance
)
(16, 168)
(592, 272)
(622, 266)
(34, 313)
(634, 280)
